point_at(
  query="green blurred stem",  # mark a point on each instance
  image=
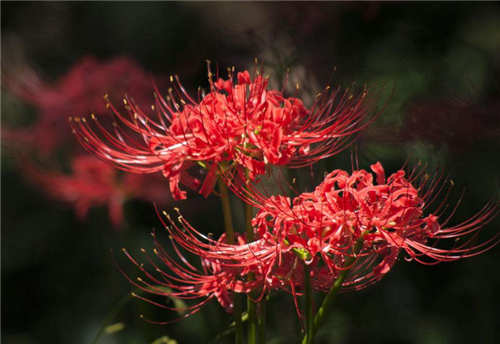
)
(308, 305)
(111, 315)
(229, 330)
(330, 297)
(228, 225)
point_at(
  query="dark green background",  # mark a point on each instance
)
(59, 280)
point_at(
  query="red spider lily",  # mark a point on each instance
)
(79, 91)
(322, 227)
(350, 224)
(95, 183)
(237, 124)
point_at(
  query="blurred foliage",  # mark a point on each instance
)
(59, 278)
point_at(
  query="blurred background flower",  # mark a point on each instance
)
(438, 63)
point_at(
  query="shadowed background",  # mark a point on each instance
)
(441, 62)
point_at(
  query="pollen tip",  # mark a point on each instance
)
(143, 250)
(171, 78)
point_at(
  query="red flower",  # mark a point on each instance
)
(324, 226)
(79, 91)
(349, 222)
(95, 183)
(242, 124)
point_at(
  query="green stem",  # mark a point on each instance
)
(330, 297)
(228, 225)
(252, 321)
(251, 306)
(238, 336)
(262, 320)
(308, 305)
(226, 209)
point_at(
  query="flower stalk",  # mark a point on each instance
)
(253, 321)
(226, 209)
(330, 297)
(308, 305)
(228, 226)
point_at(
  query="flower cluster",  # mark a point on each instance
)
(354, 224)
(46, 146)
(239, 124)
(345, 234)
